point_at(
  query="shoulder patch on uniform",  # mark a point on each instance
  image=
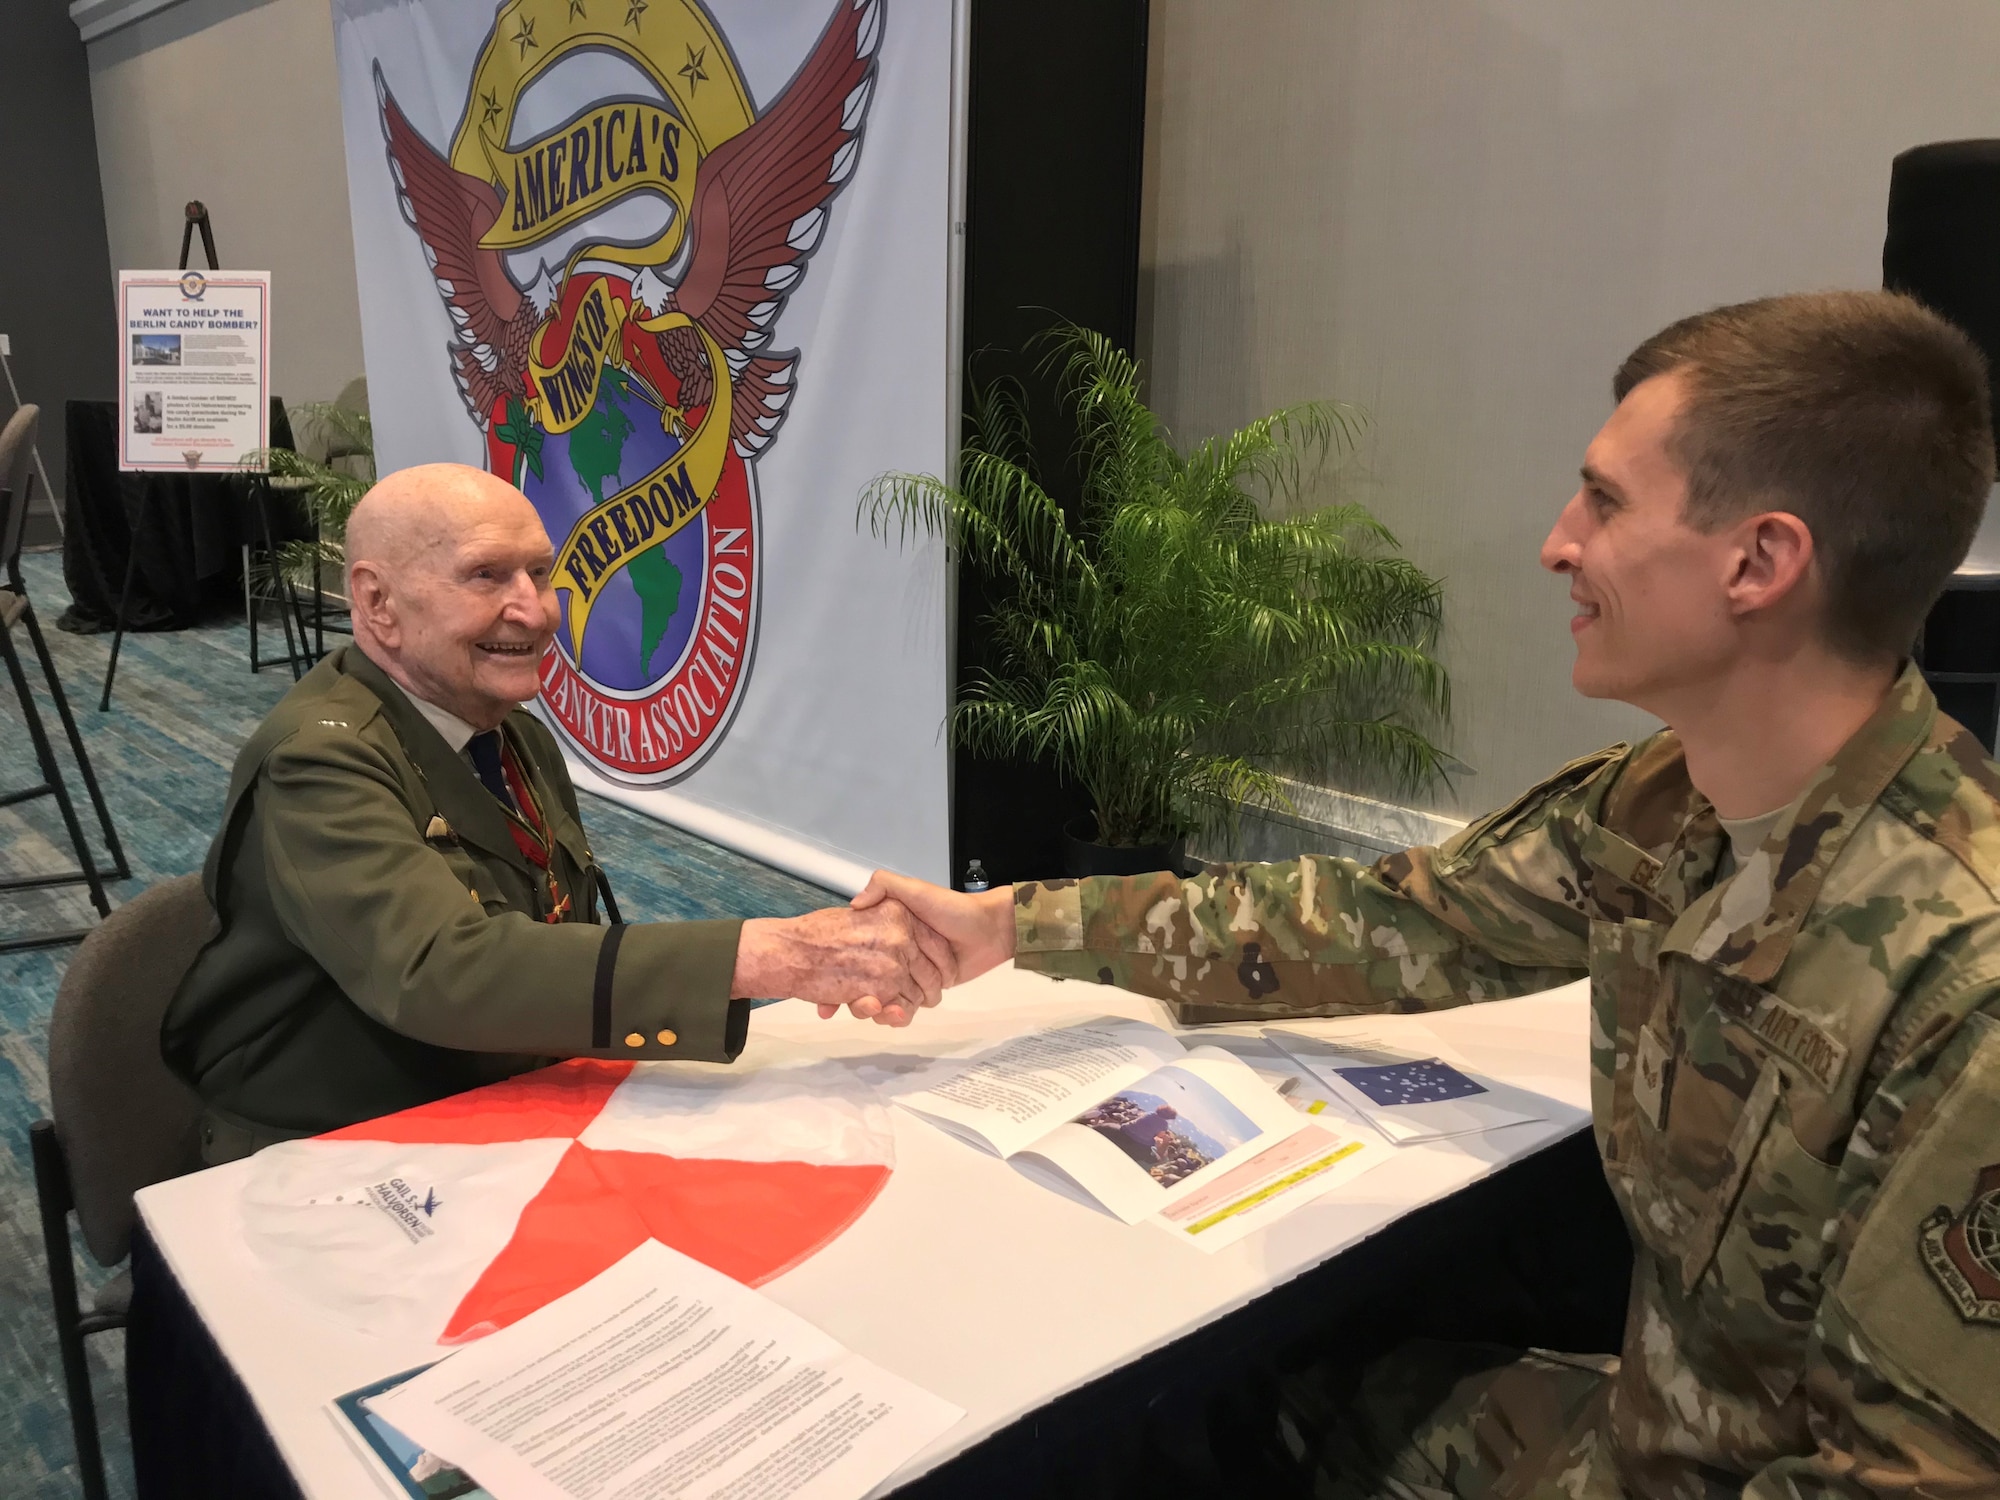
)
(1922, 1284)
(1962, 1248)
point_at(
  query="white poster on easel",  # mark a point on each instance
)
(195, 359)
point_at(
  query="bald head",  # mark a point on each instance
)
(448, 568)
(413, 513)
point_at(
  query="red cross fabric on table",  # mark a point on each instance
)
(457, 1218)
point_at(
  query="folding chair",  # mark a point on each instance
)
(17, 447)
(121, 1120)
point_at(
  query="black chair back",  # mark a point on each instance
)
(17, 453)
(125, 1121)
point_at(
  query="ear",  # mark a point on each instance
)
(368, 594)
(1772, 556)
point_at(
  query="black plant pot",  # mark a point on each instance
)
(1083, 857)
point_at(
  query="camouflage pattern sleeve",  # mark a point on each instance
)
(1496, 911)
(1903, 1384)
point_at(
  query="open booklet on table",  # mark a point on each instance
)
(1191, 1138)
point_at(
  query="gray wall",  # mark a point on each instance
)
(1458, 213)
(55, 277)
(1462, 213)
(234, 102)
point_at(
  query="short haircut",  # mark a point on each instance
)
(1862, 413)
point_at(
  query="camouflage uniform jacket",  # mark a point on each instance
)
(1795, 1080)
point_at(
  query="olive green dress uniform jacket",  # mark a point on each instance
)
(383, 941)
(1795, 1079)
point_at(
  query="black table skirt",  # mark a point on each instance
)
(195, 1433)
(190, 530)
(1534, 1255)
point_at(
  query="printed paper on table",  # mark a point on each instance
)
(1393, 1075)
(662, 1377)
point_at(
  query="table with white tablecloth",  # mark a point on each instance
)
(1055, 1326)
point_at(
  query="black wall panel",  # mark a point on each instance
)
(56, 298)
(1057, 125)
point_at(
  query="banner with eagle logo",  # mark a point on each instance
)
(682, 271)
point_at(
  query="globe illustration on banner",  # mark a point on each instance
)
(644, 619)
(614, 284)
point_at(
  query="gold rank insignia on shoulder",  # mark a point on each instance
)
(437, 828)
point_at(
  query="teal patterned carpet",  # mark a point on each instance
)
(183, 703)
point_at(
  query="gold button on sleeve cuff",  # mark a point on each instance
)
(671, 984)
(634, 1039)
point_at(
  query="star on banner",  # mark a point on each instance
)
(525, 36)
(576, 11)
(633, 10)
(489, 108)
(693, 72)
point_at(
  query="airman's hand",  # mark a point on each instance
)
(979, 927)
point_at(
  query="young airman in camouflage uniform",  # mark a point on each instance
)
(1795, 1040)
(1795, 1072)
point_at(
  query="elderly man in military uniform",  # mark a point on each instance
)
(1786, 905)
(406, 897)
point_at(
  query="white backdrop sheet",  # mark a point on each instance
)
(829, 757)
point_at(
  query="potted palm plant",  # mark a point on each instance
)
(1192, 627)
(327, 490)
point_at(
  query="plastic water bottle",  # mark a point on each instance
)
(975, 878)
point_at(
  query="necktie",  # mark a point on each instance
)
(485, 752)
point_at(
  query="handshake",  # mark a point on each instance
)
(887, 954)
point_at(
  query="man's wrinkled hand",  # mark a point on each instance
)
(882, 963)
(979, 928)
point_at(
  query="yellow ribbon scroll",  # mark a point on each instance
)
(645, 514)
(599, 158)
(615, 147)
(567, 385)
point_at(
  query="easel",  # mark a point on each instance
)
(196, 217)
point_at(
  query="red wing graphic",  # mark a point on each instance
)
(450, 210)
(760, 206)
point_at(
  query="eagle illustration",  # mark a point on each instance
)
(760, 206)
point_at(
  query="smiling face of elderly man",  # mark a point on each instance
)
(449, 570)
